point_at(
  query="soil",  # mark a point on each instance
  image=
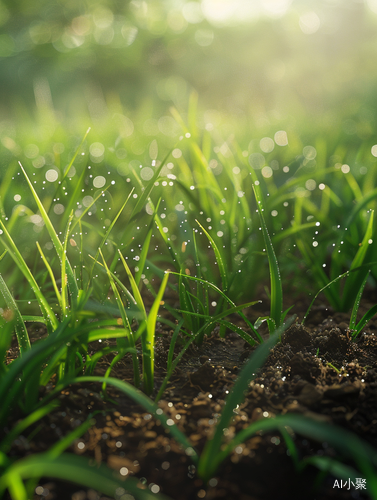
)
(317, 371)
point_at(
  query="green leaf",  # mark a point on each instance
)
(143, 400)
(9, 244)
(364, 320)
(212, 455)
(74, 469)
(21, 332)
(148, 341)
(220, 262)
(275, 279)
(50, 228)
(355, 280)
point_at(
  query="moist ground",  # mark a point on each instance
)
(317, 371)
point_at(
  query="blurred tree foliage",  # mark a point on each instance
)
(81, 55)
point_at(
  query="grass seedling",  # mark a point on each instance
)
(206, 321)
(71, 468)
(276, 308)
(19, 325)
(355, 328)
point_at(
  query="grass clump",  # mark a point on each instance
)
(209, 242)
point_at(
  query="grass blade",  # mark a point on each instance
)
(52, 277)
(121, 341)
(23, 424)
(135, 288)
(148, 341)
(321, 290)
(54, 237)
(21, 332)
(109, 229)
(75, 469)
(355, 309)
(143, 400)
(220, 262)
(9, 244)
(364, 320)
(210, 458)
(355, 280)
(275, 279)
(147, 191)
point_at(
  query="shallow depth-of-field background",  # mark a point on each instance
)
(276, 82)
(232, 143)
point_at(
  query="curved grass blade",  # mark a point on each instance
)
(349, 444)
(24, 366)
(355, 280)
(147, 191)
(54, 237)
(68, 168)
(355, 309)
(210, 458)
(364, 320)
(21, 332)
(75, 469)
(23, 424)
(227, 299)
(220, 262)
(109, 229)
(121, 340)
(52, 277)
(143, 400)
(135, 289)
(9, 244)
(321, 290)
(60, 446)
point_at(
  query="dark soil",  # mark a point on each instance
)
(317, 371)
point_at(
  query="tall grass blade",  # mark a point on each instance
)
(220, 262)
(7, 324)
(135, 289)
(143, 400)
(148, 342)
(51, 274)
(147, 191)
(9, 244)
(51, 231)
(356, 304)
(364, 320)
(23, 424)
(344, 441)
(321, 290)
(209, 460)
(275, 279)
(122, 341)
(68, 168)
(78, 185)
(72, 468)
(23, 367)
(356, 279)
(109, 229)
(21, 332)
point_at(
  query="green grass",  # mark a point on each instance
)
(212, 222)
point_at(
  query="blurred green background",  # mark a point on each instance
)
(286, 78)
(254, 63)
